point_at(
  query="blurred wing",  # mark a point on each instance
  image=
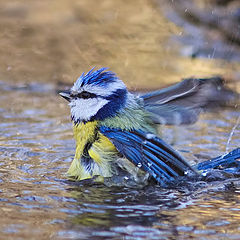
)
(169, 114)
(148, 152)
(181, 103)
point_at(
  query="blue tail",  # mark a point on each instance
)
(224, 161)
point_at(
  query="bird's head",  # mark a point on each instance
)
(96, 95)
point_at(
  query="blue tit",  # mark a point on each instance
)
(116, 131)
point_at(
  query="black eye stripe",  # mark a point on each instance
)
(84, 95)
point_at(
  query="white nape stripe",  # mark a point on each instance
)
(84, 109)
(101, 90)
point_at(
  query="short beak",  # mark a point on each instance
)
(66, 95)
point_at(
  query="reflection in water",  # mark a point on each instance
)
(57, 40)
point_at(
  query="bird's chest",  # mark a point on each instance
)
(85, 135)
(94, 152)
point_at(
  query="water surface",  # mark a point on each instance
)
(37, 147)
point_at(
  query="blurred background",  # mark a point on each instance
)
(143, 41)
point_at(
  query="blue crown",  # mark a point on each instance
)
(98, 77)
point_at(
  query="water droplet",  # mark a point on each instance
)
(149, 164)
(150, 136)
(9, 68)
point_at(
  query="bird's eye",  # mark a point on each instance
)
(85, 95)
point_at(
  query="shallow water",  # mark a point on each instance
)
(36, 148)
(53, 42)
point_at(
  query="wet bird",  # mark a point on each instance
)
(116, 131)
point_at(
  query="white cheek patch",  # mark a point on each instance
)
(84, 109)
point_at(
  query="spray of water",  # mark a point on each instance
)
(231, 134)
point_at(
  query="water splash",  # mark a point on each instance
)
(231, 134)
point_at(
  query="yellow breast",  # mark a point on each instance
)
(102, 152)
(84, 133)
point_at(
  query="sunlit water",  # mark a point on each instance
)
(55, 40)
(36, 201)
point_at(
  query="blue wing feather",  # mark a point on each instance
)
(149, 152)
(153, 162)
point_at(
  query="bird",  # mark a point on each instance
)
(116, 130)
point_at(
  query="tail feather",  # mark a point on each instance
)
(223, 161)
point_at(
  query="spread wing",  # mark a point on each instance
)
(181, 103)
(148, 152)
